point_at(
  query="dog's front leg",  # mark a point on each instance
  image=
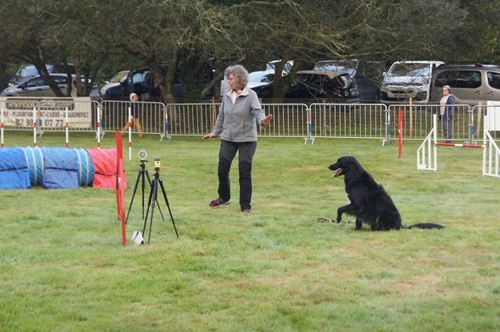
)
(359, 224)
(344, 209)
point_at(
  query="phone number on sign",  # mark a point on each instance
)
(50, 123)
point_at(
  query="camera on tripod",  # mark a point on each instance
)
(157, 164)
(142, 155)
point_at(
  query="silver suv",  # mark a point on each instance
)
(471, 84)
(408, 79)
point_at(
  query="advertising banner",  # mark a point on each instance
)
(49, 113)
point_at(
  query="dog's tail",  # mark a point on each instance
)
(425, 225)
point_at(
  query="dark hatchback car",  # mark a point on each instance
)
(323, 85)
(366, 74)
(139, 81)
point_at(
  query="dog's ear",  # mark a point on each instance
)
(353, 166)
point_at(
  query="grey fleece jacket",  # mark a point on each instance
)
(238, 122)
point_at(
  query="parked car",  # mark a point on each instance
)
(408, 79)
(471, 84)
(287, 68)
(323, 85)
(27, 71)
(112, 88)
(261, 82)
(139, 81)
(367, 75)
(36, 87)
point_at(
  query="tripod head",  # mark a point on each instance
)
(157, 164)
(142, 156)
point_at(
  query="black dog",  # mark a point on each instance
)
(370, 203)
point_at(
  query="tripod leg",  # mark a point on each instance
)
(147, 211)
(133, 195)
(168, 206)
(143, 187)
(159, 209)
(154, 191)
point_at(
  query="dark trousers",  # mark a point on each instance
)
(447, 127)
(246, 150)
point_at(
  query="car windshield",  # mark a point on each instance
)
(30, 70)
(345, 81)
(259, 77)
(410, 69)
(340, 66)
(119, 77)
(271, 65)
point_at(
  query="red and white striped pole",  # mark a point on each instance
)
(67, 128)
(464, 145)
(34, 126)
(400, 132)
(98, 126)
(1, 128)
(129, 133)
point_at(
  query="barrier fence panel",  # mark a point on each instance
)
(191, 119)
(417, 122)
(348, 120)
(289, 120)
(491, 152)
(151, 116)
(493, 114)
(371, 121)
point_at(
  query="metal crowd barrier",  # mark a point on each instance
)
(348, 120)
(289, 120)
(191, 119)
(363, 121)
(417, 122)
(115, 115)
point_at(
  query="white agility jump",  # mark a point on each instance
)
(427, 152)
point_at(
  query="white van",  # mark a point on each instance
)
(408, 79)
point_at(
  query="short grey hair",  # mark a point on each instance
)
(447, 87)
(239, 72)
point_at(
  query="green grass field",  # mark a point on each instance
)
(63, 268)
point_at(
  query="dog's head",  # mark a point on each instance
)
(345, 165)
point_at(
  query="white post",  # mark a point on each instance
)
(34, 126)
(129, 133)
(484, 144)
(1, 128)
(98, 127)
(434, 120)
(67, 128)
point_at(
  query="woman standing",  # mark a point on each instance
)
(446, 111)
(236, 124)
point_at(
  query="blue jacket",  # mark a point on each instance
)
(449, 108)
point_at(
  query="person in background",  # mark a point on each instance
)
(74, 89)
(134, 98)
(236, 123)
(446, 111)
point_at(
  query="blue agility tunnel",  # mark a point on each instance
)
(34, 159)
(14, 172)
(50, 167)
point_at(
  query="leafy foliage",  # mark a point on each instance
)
(191, 41)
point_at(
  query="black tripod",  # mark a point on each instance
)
(142, 174)
(153, 199)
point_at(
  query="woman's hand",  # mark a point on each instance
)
(266, 120)
(209, 135)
